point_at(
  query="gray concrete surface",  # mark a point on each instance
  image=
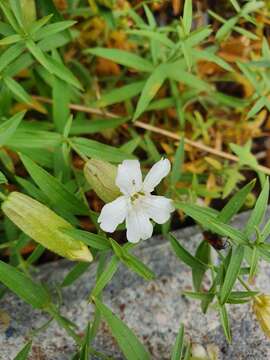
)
(152, 309)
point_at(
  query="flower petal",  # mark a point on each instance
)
(158, 208)
(113, 214)
(129, 177)
(138, 226)
(156, 174)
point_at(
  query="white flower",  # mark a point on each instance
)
(137, 205)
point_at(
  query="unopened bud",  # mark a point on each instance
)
(101, 176)
(250, 200)
(199, 352)
(44, 226)
(261, 308)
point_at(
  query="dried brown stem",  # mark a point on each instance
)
(157, 130)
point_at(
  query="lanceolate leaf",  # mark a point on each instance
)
(17, 89)
(212, 223)
(185, 256)
(235, 203)
(24, 353)
(231, 273)
(150, 89)
(93, 240)
(123, 58)
(54, 189)
(8, 128)
(127, 341)
(24, 287)
(225, 323)
(179, 344)
(203, 254)
(97, 150)
(259, 209)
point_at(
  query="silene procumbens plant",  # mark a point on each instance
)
(59, 161)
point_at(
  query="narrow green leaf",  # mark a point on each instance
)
(254, 263)
(17, 90)
(178, 162)
(203, 254)
(185, 256)
(5, 6)
(127, 341)
(24, 287)
(231, 273)
(174, 72)
(178, 347)
(10, 54)
(93, 240)
(259, 210)
(84, 126)
(225, 323)
(11, 39)
(123, 58)
(187, 16)
(119, 94)
(226, 28)
(203, 296)
(54, 189)
(132, 261)
(105, 276)
(97, 150)
(75, 273)
(61, 99)
(151, 87)
(8, 128)
(36, 25)
(17, 11)
(24, 353)
(3, 179)
(153, 35)
(53, 29)
(22, 140)
(235, 203)
(38, 54)
(60, 70)
(210, 222)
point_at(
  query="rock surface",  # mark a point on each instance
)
(152, 309)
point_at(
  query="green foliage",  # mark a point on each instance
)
(97, 80)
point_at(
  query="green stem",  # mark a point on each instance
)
(53, 312)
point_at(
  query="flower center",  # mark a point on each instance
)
(136, 196)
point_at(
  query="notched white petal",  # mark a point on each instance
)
(158, 208)
(113, 214)
(129, 177)
(139, 226)
(156, 174)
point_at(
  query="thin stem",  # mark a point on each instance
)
(245, 285)
(53, 312)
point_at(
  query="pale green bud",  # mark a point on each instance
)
(44, 226)
(101, 176)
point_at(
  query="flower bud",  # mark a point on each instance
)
(261, 308)
(101, 176)
(44, 226)
(199, 352)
